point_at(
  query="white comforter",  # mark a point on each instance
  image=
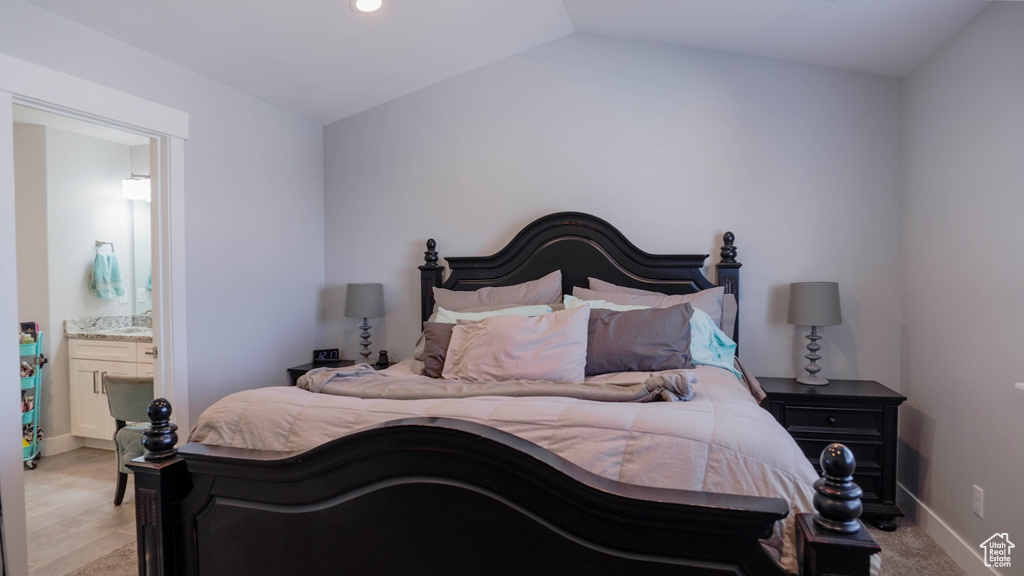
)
(720, 441)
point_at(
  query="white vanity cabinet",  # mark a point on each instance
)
(90, 360)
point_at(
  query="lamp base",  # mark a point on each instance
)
(812, 380)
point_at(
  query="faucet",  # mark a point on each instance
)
(148, 312)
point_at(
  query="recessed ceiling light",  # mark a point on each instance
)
(365, 5)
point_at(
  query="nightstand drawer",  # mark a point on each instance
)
(866, 421)
(868, 454)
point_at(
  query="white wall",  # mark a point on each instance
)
(963, 320)
(673, 146)
(254, 192)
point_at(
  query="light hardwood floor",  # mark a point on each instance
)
(70, 512)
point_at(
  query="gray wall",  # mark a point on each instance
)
(963, 320)
(254, 196)
(673, 146)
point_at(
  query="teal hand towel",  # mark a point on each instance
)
(106, 280)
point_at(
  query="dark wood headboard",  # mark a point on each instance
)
(581, 246)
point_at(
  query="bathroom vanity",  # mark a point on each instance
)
(116, 345)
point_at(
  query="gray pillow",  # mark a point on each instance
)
(639, 340)
(545, 290)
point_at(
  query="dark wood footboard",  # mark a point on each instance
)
(446, 497)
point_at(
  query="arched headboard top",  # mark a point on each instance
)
(582, 246)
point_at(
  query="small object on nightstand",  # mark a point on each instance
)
(382, 360)
(326, 355)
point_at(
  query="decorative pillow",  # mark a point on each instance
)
(601, 286)
(546, 290)
(639, 340)
(445, 316)
(709, 300)
(436, 337)
(729, 307)
(551, 347)
(574, 302)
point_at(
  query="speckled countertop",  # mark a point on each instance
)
(131, 327)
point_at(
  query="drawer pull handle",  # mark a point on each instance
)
(95, 373)
(103, 382)
(149, 352)
(831, 420)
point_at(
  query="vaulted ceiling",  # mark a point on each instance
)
(324, 61)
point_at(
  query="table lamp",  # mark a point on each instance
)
(364, 301)
(814, 304)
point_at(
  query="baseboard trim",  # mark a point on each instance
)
(59, 444)
(961, 551)
(99, 443)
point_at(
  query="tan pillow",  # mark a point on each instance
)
(710, 300)
(729, 306)
(546, 290)
(551, 347)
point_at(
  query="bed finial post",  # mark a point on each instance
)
(833, 540)
(431, 275)
(728, 249)
(161, 436)
(161, 480)
(837, 498)
(728, 270)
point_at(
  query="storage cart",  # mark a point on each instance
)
(32, 361)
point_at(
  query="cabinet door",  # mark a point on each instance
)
(90, 413)
(89, 410)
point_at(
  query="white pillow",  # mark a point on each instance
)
(551, 347)
(574, 302)
(449, 317)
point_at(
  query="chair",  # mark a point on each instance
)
(128, 398)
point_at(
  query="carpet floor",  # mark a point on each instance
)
(908, 550)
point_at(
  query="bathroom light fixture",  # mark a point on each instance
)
(136, 188)
(365, 5)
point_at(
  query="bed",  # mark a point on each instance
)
(362, 473)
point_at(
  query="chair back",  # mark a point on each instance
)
(129, 397)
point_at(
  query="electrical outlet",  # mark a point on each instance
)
(140, 294)
(123, 298)
(978, 501)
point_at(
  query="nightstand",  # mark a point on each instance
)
(295, 372)
(863, 415)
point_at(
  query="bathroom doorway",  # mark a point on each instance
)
(73, 209)
(42, 88)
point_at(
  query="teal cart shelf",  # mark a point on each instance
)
(31, 388)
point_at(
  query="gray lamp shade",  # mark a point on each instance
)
(814, 304)
(364, 300)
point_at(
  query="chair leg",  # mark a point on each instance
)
(122, 483)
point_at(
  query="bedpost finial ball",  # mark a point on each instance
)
(431, 244)
(729, 237)
(159, 410)
(837, 461)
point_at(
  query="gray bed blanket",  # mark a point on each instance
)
(362, 381)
